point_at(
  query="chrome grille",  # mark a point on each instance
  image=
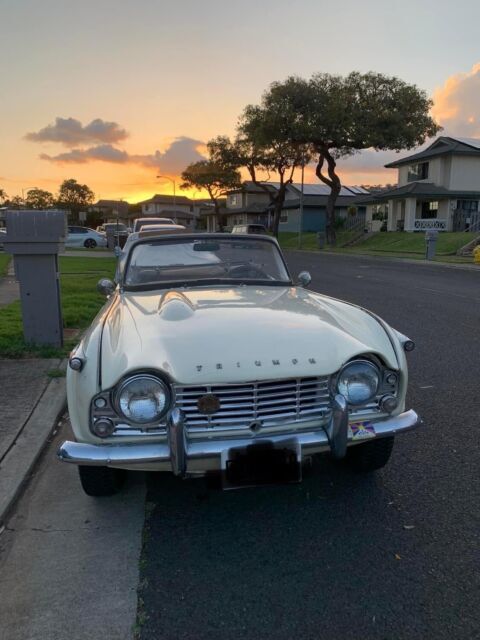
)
(267, 404)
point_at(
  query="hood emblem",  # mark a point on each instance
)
(208, 404)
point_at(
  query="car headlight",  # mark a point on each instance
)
(358, 382)
(143, 399)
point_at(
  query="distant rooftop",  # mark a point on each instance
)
(321, 189)
(160, 198)
(439, 147)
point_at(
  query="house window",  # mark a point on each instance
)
(429, 209)
(417, 172)
(467, 205)
(284, 217)
(233, 200)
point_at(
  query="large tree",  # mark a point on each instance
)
(3, 196)
(267, 142)
(215, 177)
(74, 196)
(39, 199)
(339, 116)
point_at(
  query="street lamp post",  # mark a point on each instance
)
(174, 192)
(27, 189)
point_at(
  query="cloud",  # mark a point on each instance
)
(181, 152)
(70, 132)
(457, 104)
(103, 152)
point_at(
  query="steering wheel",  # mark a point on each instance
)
(250, 271)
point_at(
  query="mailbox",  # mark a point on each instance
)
(34, 238)
(431, 243)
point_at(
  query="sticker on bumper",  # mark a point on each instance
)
(361, 430)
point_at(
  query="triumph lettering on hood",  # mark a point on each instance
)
(258, 363)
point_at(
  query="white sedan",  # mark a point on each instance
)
(85, 237)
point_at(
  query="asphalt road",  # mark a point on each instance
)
(391, 556)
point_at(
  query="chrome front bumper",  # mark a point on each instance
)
(186, 458)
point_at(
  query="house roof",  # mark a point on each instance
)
(415, 190)
(110, 204)
(255, 207)
(439, 147)
(320, 189)
(250, 187)
(160, 198)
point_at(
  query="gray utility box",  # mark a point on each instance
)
(34, 238)
(431, 236)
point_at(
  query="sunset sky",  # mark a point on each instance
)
(114, 92)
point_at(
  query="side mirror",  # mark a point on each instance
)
(304, 278)
(105, 286)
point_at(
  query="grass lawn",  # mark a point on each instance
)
(80, 303)
(4, 260)
(393, 244)
(289, 239)
(401, 242)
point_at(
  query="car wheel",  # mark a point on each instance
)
(101, 481)
(90, 243)
(370, 456)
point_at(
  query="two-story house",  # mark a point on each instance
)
(438, 188)
(180, 208)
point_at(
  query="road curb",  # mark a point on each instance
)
(17, 465)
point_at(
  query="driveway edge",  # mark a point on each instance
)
(17, 465)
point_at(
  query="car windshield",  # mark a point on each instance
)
(204, 260)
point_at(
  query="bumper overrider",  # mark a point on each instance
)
(184, 457)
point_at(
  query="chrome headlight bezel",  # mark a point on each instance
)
(149, 376)
(369, 366)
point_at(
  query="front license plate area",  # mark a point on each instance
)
(262, 463)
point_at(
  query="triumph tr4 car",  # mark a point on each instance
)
(209, 359)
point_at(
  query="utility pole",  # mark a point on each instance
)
(301, 205)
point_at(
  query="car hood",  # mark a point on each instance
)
(236, 334)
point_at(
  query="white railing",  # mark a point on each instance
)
(422, 224)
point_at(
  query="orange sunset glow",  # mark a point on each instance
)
(113, 104)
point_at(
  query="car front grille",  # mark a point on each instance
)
(255, 405)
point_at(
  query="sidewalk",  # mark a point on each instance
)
(32, 402)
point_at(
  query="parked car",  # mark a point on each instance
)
(156, 229)
(143, 222)
(119, 229)
(85, 237)
(208, 358)
(249, 228)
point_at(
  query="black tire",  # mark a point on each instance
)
(101, 481)
(90, 243)
(370, 456)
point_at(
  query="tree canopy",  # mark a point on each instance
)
(75, 196)
(39, 199)
(215, 177)
(338, 116)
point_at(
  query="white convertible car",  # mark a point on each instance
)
(208, 358)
